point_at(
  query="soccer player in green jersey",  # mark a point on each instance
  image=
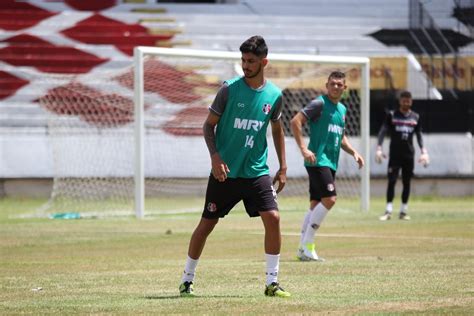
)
(235, 134)
(326, 118)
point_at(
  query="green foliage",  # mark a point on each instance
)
(122, 265)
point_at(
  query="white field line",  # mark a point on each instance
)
(372, 236)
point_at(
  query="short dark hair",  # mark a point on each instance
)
(255, 45)
(337, 75)
(405, 94)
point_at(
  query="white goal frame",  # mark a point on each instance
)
(141, 51)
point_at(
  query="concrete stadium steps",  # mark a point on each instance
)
(315, 10)
(105, 81)
(325, 27)
(103, 51)
(440, 10)
(63, 64)
(351, 22)
(17, 20)
(19, 15)
(298, 33)
(23, 109)
(88, 27)
(292, 34)
(65, 19)
(320, 45)
(188, 8)
(467, 50)
(285, 26)
(24, 120)
(22, 114)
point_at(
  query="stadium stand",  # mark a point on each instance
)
(42, 37)
(61, 34)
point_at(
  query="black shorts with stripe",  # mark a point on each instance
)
(257, 194)
(321, 182)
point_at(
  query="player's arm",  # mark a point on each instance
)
(379, 155)
(279, 142)
(278, 135)
(424, 157)
(219, 167)
(311, 111)
(347, 147)
(297, 123)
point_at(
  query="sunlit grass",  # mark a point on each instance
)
(122, 265)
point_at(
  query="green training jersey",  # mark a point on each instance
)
(326, 122)
(241, 134)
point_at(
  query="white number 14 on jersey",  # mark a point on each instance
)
(249, 141)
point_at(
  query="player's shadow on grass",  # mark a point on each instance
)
(167, 297)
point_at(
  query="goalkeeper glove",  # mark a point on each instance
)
(424, 158)
(379, 155)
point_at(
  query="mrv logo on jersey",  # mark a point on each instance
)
(335, 129)
(248, 124)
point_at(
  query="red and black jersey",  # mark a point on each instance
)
(401, 128)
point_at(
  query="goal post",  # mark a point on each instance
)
(299, 75)
(120, 135)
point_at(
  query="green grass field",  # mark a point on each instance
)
(130, 266)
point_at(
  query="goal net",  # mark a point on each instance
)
(131, 141)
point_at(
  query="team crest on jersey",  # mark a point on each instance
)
(211, 207)
(330, 187)
(266, 108)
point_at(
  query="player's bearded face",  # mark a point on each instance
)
(251, 65)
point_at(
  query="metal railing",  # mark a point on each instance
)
(459, 5)
(421, 21)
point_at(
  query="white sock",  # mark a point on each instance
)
(305, 223)
(189, 269)
(389, 207)
(273, 263)
(403, 208)
(317, 216)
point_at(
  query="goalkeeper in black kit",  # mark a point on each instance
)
(401, 124)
